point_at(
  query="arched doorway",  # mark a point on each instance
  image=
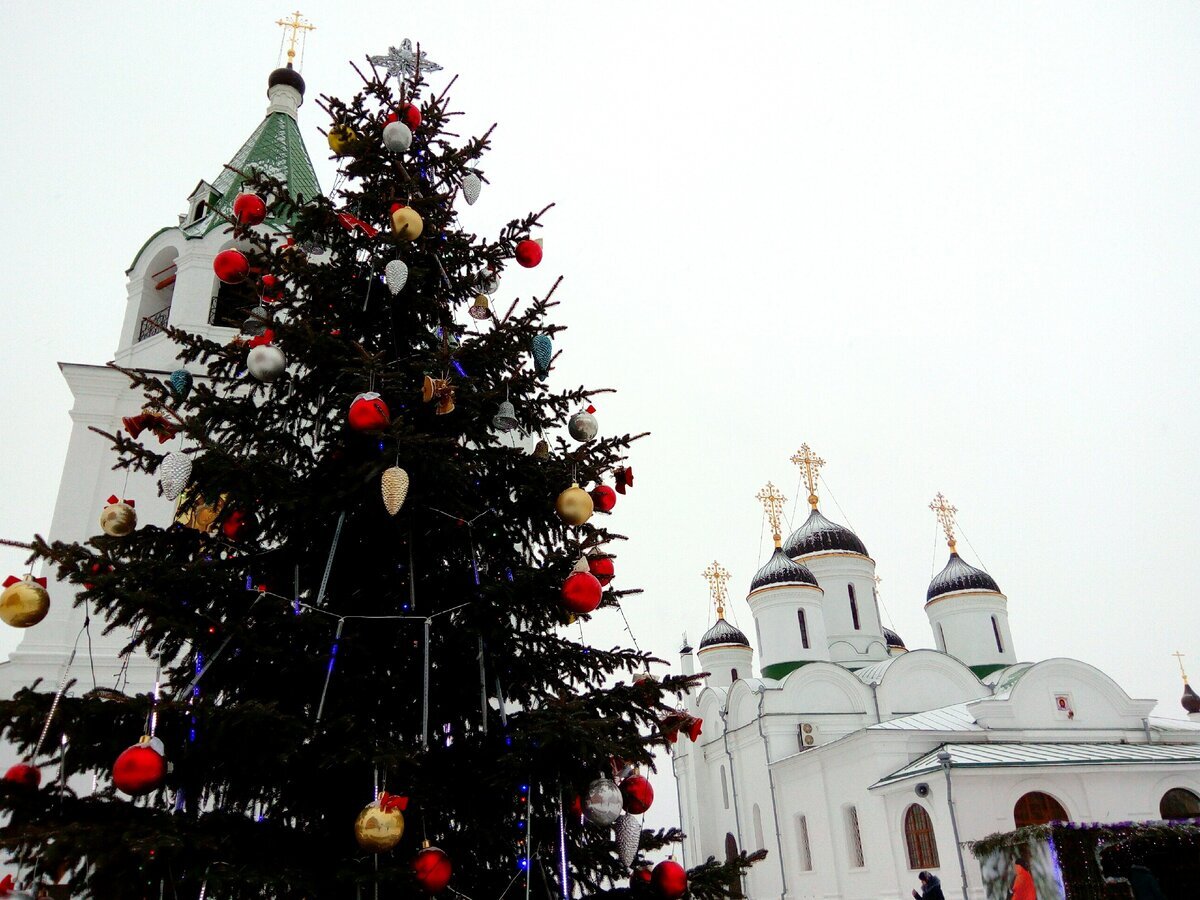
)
(1036, 808)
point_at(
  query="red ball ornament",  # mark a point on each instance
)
(637, 793)
(669, 879)
(272, 288)
(235, 524)
(640, 875)
(528, 253)
(602, 568)
(410, 115)
(231, 266)
(140, 769)
(432, 869)
(581, 592)
(24, 774)
(249, 209)
(604, 498)
(368, 412)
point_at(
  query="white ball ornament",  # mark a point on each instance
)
(397, 137)
(395, 274)
(583, 425)
(266, 362)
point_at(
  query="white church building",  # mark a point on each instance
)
(857, 764)
(170, 283)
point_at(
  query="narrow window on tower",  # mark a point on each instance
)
(854, 607)
(996, 632)
(942, 635)
(733, 674)
(803, 628)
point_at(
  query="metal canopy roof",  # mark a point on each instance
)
(994, 756)
(946, 718)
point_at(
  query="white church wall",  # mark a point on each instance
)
(926, 679)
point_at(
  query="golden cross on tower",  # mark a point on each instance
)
(772, 502)
(811, 464)
(945, 516)
(717, 575)
(296, 24)
(1179, 659)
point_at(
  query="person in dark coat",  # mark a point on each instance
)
(931, 887)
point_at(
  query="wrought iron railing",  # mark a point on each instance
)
(152, 325)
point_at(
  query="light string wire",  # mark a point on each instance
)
(62, 687)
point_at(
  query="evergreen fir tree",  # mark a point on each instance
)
(315, 649)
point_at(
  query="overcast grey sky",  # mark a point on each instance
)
(951, 245)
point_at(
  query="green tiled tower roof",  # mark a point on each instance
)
(275, 149)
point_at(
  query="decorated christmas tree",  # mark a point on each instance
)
(388, 513)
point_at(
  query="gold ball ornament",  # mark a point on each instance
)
(118, 518)
(378, 830)
(342, 140)
(574, 505)
(407, 222)
(24, 602)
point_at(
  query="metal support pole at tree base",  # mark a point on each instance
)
(943, 758)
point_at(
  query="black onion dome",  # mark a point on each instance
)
(1190, 699)
(893, 639)
(781, 570)
(723, 633)
(288, 76)
(818, 535)
(960, 576)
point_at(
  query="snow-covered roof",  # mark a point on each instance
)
(992, 756)
(948, 718)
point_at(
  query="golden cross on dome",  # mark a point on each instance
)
(772, 502)
(810, 464)
(1179, 659)
(296, 24)
(717, 575)
(945, 516)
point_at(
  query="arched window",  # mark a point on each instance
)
(919, 839)
(724, 788)
(758, 831)
(201, 209)
(996, 632)
(733, 676)
(803, 627)
(854, 847)
(803, 844)
(1036, 808)
(853, 607)
(1179, 803)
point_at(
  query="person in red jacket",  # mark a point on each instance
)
(1022, 886)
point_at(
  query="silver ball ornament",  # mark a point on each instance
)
(603, 803)
(266, 362)
(583, 426)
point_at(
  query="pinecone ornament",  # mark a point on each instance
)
(174, 473)
(471, 186)
(629, 836)
(394, 485)
(543, 351)
(395, 274)
(180, 383)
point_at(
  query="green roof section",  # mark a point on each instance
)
(276, 150)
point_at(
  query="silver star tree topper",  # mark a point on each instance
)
(404, 60)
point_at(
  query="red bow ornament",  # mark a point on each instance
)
(624, 477)
(147, 420)
(7, 886)
(263, 339)
(391, 802)
(113, 498)
(13, 579)
(350, 223)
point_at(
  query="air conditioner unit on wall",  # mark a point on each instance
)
(807, 736)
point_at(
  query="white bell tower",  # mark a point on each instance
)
(170, 284)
